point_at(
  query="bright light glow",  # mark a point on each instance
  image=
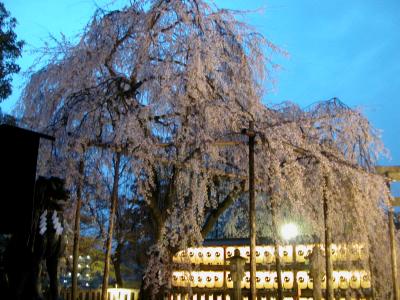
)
(289, 231)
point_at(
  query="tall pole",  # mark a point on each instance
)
(75, 251)
(252, 214)
(328, 257)
(393, 254)
(276, 244)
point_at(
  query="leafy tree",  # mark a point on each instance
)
(10, 50)
(164, 85)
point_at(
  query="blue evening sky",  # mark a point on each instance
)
(343, 48)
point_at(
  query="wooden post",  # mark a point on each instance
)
(276, 244)
(252, 213)
(328, 242)
(75, 251)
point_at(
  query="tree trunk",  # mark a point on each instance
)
(114, 202)
(75, 252)
(117, 264)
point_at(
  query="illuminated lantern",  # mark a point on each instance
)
(260, 279)
(208, 256)
(199, 253)
(194, 279)
(286, 253)
(229, 282)
(335, 279)
(219, 256)
(302, 279)
(184, 280)
(175, 278)
(344, 280)
(301, 253)
(246, 280)
(259, 254)
(355, 280)
(269, 256)
(201, 279)
(209, 279)
(218, 279)
(191, 254)
(365, 280)
(269, 280)
(288, 280)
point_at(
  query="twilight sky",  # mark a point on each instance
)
(344, 48)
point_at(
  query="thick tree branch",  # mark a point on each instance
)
(221, 208)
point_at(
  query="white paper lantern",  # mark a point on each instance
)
(355, 280)
(209, 279)
(288, 280)
(301, 253)
(269, 256)
(344, 279)
(269, 280)
(219, 256)
(260, 279)
(302, 279)
(218, 279)
(286, 253)
(365, 280)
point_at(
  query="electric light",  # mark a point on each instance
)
(289, 231)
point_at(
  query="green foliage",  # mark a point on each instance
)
(10, 50)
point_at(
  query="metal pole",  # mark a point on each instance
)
(252, 214)
(393, 254)
(328, 258)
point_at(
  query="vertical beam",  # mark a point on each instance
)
(393, 254)
(252, 214)
(75, 251)
(276, 244)
(328, 242)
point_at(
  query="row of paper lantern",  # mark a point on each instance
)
(265, 254)
(268, 280)
(179, 296)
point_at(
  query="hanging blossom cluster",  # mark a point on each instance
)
(170, 85)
